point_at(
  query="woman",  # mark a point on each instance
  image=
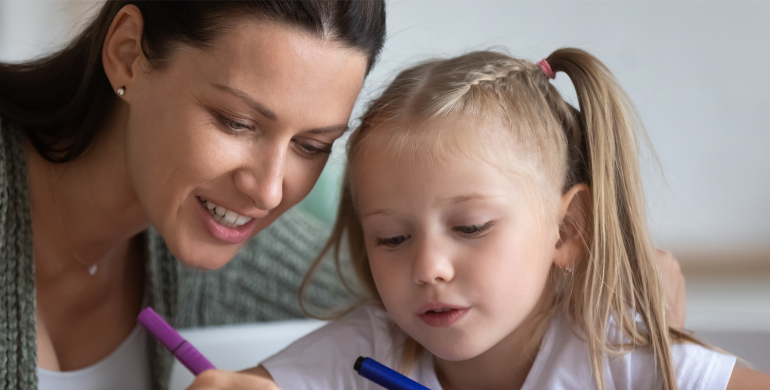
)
(204, 120)
(197, 122)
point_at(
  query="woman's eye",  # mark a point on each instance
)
(474, 230)
(311, 149)
(392, 241)
(234, 126)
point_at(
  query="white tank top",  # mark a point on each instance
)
(126, 368)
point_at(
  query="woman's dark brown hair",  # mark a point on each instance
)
(61, 100)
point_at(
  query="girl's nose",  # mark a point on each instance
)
(432, 265)
(262, 179)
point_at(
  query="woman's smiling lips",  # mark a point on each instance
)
(224, 224)
(442, 315)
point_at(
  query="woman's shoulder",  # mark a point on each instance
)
(11, 141)
(16, 223)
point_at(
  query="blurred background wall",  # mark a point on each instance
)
(698, 72)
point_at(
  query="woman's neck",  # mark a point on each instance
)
(84, 209)
(505, 365)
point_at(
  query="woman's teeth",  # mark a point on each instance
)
(443, 309)
(224, 216)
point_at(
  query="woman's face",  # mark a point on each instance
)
(222, 141)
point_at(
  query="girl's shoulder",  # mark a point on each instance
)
(698, 367)
(324, 359)
(563, 363)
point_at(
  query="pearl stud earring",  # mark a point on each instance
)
(121, 91)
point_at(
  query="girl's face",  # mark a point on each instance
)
(241, 129)
(459, 251)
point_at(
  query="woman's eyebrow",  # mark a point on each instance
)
(330, 129)
(266, 112)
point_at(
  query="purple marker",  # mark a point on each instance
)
(179, 347)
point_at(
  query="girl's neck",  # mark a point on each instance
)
(505, 365)
(87, 206)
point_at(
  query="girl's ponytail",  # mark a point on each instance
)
(617, 280)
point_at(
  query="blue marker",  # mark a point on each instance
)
(384, 376)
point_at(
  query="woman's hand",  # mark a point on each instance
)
(673, 284)
(256, 378)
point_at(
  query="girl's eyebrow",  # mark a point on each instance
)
(376, 212)
(440, 202)
(463, 198)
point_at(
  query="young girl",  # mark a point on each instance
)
(500, 236)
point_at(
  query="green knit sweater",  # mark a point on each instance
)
(259, 284)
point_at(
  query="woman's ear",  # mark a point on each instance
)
(122, 49)
(574, 211)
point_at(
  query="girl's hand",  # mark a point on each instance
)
(256, 378)
(673, 288)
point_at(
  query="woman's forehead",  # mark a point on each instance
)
(263, 48)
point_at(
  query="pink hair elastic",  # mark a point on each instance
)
(543, 64)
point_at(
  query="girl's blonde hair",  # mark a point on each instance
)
(597, 145)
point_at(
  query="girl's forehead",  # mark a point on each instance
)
(445, 143)
(447, 139)
(417, 182)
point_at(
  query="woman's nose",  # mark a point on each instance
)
(262, 179)
(432, 264)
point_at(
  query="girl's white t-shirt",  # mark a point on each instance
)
(324, 359)
(126, 368)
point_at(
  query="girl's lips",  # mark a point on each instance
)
(444, 318)
(230, 235)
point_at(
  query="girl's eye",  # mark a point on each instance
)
(392, 242)
(474, 231)
(310, 149)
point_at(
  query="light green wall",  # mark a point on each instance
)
(324, 198)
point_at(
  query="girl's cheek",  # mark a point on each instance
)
(388, 277)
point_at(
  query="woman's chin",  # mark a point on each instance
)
(205, 259)
(200, 255)
(194, 241)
